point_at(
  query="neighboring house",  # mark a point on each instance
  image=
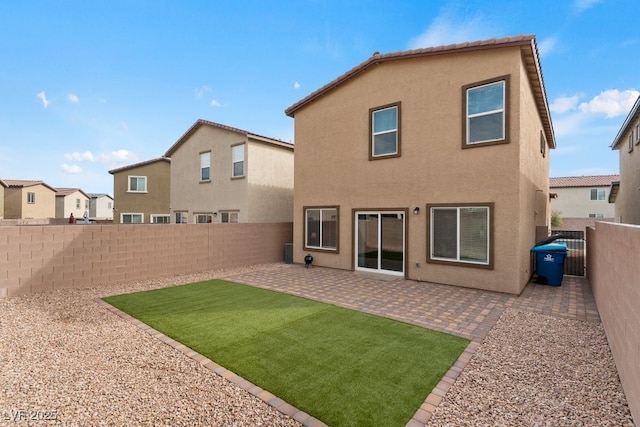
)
(141, 192)
(24, 199)
(101, 206)
(582, 200)
(430, 164)
(626, 193)
(72, 201)
(224, 174)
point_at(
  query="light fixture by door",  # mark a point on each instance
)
(416, 210)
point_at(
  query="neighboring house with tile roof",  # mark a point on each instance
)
(101, 206)
(430, 164)
(141, 192)
(221, 173)
(27, 199)
(72, 201)
(582, 200)
(625, 194)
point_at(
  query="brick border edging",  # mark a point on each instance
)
(419, 419)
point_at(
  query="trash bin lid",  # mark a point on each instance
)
(551, 247)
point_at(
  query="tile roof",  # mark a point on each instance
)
(19, 183)
(200, 122)
(135, 165)
(528, 47)
(583, 181)
(65, 191)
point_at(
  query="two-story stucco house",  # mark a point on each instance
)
(72, 201)
(626, 193)
(26, 199)
(582, 200)
(224, 174)
(101, 206)
(430, 164)
(141, 192)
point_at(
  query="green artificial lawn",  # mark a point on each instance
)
(342, 366)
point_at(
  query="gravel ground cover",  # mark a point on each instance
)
(66, 361)
(538, 370)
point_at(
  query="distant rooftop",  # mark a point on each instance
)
(583, 181)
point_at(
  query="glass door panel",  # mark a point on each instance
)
(368, 241)
(392, 242)
(380, 241)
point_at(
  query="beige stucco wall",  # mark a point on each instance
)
(66, 205)
(16, 206)
(575, 202)
(613, 256)
(2, 189)
(154, 202)
(264, 194)
(332, 165)
(628, 198)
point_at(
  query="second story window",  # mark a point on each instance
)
(385, 131)
(31, 197)
(597, 194)
(205, 166)
(77, 203)
(485, 112)
(137, 184)
(237, 154)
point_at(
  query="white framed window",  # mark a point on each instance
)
(205, 166)
(237, 161)
(385, 131)
(181, 217)
(160, 219)
(543, 144)
(132, 218)
(31, 197)
(77, 203)
(203, 218)
(137, 184)
(637, 134)
(596, 215)
(485, 112)
(598, 194)
(229, 217)
(631, 142)
(321, 228)
(460, 234)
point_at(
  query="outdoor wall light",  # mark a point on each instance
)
(215, 214)
(416, 210)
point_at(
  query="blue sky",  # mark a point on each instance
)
(88, 86)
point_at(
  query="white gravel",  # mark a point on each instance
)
(64, 358)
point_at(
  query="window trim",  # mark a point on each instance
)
(129, 190)
(153, 217)
(637, 134)
(597, 190)
(505, 111)
(184, 217)
(31, 197)
(398, 153)
(201, 154)
(197, 216)
(543, 145)
(306, 247)
(244, 161)
(132, 214)
(491, 240)
(229, 213)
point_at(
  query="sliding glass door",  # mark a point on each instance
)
(379, 244)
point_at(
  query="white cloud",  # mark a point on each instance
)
(116, 156)
(582, 5)
(564, 103)
(73, 98)
(202, 90)
(76, 156)
(214, 103)
(296, 85)
(611, 103)
(71, 169)
(547, 45)
(446, 30)
(43, 98)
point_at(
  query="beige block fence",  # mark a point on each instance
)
(47, 257)
(613, 269)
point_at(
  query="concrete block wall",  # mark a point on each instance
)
(613, 264)
(48, 257)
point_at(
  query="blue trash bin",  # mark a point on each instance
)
(550, 263)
